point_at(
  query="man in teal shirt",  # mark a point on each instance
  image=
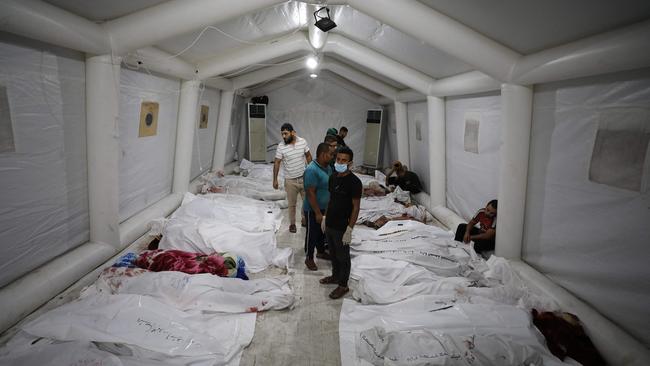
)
(317, 197)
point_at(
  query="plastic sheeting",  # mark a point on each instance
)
(411, 241)
(312, 106)
(44, 191)
(258, 189)
(373, 208)
(204, 138)
(202, 226)
(472, 179)
(238, 134)
(590, 238)
(147, 326)
(418, 127)
(388, 143)
(506, 326)
(146, 163)
(198, 292)
(234, 210)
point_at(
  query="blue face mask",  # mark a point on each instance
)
(341, 168)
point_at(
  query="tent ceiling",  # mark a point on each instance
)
(367, 71)
(266, 24)
(528, 26)
(101, 10)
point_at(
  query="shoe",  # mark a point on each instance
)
(303, 222)
(292, 228)
(327, 280)
(324, 255)
(339, 292)
(310, 264)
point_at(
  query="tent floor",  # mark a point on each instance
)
(308, 334)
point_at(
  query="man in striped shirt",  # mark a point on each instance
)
(294, 155)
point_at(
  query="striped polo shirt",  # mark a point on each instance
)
(293, 157)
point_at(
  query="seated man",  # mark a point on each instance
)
(483, 237)
(406, 180)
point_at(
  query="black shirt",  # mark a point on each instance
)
(342, 191)
(339, 141)
(409, 182)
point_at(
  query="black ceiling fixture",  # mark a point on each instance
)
(324, 23)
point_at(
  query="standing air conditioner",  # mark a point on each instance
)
(373, 138)
(257, 132)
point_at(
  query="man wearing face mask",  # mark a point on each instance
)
(293, 152)
(342, 212)
(483, 236)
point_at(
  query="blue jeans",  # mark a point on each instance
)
(315, 238)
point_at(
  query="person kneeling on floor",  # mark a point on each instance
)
(483, 236)
(342, 212)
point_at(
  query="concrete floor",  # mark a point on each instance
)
(308, 334)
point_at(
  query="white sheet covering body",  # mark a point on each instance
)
(146, 323)
(606, 263)
(491, 330)
(25, 349)
(386, 281)
(258, 189)
(198, 226)
(372, 208)
(199, 292)
(235, 210)
(43, 165)
(417, 243)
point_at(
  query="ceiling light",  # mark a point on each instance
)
(324, 23)
(313, 76)
(312, 62)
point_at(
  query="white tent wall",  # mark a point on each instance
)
(388, 137)
(418, 134)
(312, 106)
(43, 162)
(204, 138)
(238, 126)
(591, 238)
(146, 163)
(472, 178)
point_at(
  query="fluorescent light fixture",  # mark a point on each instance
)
(313, 76)
(311, 62)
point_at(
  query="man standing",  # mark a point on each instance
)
(342, 212)
(292, 152)
(405, 179)
(343, 132)
(484, 236)
(331, 140)
(317, 177)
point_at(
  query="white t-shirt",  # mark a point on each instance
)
(293, 157)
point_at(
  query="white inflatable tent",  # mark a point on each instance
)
(543, 105)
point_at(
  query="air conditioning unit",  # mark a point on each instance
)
(257, 132)
(373, 138)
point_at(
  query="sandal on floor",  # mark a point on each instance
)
(327, 280)
(339, 292)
